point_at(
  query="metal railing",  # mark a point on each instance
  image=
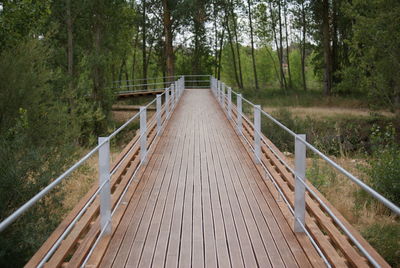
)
(171, 95)
(191, 81)
(223, 95)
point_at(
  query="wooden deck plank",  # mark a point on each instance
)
(153, 210)
(247, 170)
(237, 255)
(160, 218)
(159, 254)
(224, 255)
(139, 212)
(197, 237)
(251, 243)
(184, 248)
(174, 236)
(266, 229)
(143, 180)
(323, 242)
(210, 250)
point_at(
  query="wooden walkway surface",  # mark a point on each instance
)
(200, 202)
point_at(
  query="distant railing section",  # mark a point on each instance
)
(223, 95)
(171, 96)
(159, 84)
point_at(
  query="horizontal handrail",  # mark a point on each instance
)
(161, 78)
(141, 85)
(140, 90)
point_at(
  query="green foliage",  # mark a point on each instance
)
(295, 68)
(37, 140)
(384, 166)
(375, 51)
(15, 16)
(385, 239)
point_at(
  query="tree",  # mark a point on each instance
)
(249, 4)
(374, 67)
(169, 50)
(301, 10)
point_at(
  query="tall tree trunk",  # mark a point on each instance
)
(121, 70)
(199, 34)
(287, 47)
(97, 77)
(216, 40)
(275, 37)
(274, 63)
(70, 45)
(144, 64)
(334, 35)
(221, 46)
(126, 75)
(281, 44)
(169, 50)
(237, 45)
(327, 48)
(303, 47)
(252, 44)
(135, 44)
(233, 53)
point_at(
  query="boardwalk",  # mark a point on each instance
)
(201, 202)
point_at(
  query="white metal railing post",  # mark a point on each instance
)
(223, 96)
(257, 131)
(239, 114)
(167, 103)
(176, 91)
(180, 88)
(158, 107)
(218, 91)
(214, 87)
(172, 97)
(105, 192)
(143, 135)
(300, 174)
(229, 103)
(173, 103)
(182, 85)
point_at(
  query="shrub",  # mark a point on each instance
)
(36, 143)
(384, 165)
